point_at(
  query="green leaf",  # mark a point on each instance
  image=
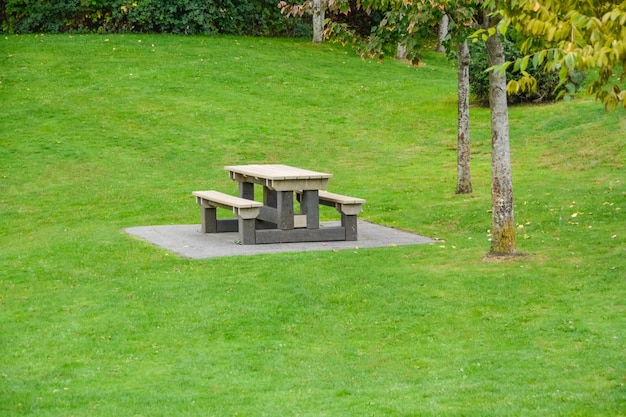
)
(538, 58)
(524, 63)
(570, 60)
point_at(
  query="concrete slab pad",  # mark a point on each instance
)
(188, 242)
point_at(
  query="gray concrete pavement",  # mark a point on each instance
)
(187, 241)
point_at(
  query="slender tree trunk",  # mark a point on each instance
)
(464, 179)
(503, 227)
(401, 51)
(443, 32)
(318, 20)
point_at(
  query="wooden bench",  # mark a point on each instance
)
(349, 207)
(246, 211)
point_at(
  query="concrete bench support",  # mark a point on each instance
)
(245, 209)
(349, 207)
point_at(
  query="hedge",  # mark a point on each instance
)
(235, 17)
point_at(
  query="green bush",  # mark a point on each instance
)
(178, 16)
(548, 88)
(52, 16)
(235, 17)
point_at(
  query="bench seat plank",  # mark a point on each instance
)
(341, 199)
(226, 199)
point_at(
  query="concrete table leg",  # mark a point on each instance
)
(285, 210)
(270, 197)
(246, 190)
(310, 206)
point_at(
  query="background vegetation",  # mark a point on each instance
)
(99, 133)
(251, 17)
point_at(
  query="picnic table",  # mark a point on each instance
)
(274, 220)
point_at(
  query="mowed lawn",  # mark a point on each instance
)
(100, 133)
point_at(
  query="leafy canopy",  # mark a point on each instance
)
(566, 35)
(403, 22)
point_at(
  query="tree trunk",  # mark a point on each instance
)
(503, 227)
(318, 20)
(401, 51)
(464, 179)
(443, 32)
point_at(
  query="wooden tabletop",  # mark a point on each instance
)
(277, 172)
(279, 177)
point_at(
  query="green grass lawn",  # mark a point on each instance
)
(99, 133)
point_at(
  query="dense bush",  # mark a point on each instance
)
(51, 16)
(237, 17)
(547, 83)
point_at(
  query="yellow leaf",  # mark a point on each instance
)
(513, 87)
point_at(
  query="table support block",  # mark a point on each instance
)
(309, 205)
(349, 222)
(246, 231)
(209, 220)
(301, 235)
(285, 210)
(227, 225)
(270, 197)
(246, 190)
(268, 214)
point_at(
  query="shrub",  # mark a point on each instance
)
(44, 16)
(252, 17)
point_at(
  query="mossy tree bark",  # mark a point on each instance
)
(503, 227)
(464, 179)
